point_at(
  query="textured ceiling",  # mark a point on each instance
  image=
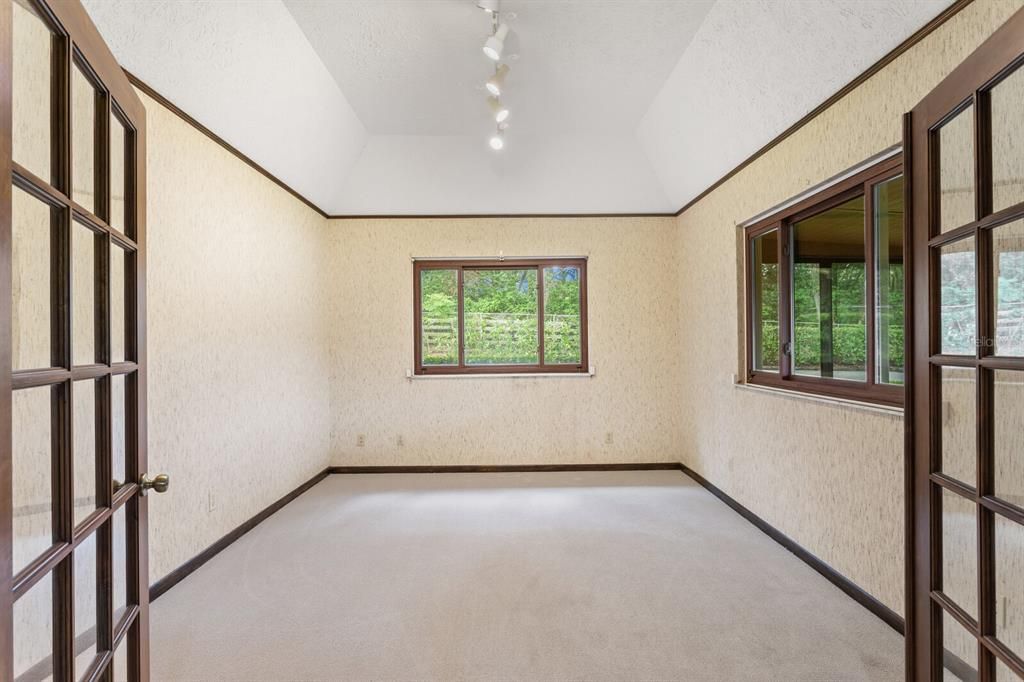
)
(617, 105)
(415, 67)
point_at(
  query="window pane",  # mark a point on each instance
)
(1008, 260)
(500, 317)
(959, 651)
(829, 290)
(1009, 579)
(117, 308)
(85, 604)
(117, 177)
(119, 582)
(84, 449)
(83, 293)
(888, 206)
(439, 307)
(960, 551)
(1008, 418)
(562, 333)
(30, 281)
(1004, 674)
(83, 140)
(33, 632)
(958, 298)
(118, 437)
(31, 474)
(31, 90)
(959, 415)
(1008, 141)
(956, 171)
(765, 300)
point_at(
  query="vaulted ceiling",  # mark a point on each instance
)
(369, 107)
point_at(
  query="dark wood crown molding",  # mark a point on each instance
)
(917, 37)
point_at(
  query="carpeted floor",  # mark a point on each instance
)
(513, 576)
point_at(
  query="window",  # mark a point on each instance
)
(825, 290)
(505, 316)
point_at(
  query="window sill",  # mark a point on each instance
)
(888, 410)
(411, 376)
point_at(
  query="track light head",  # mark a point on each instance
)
(499, 111)
(497, 141)
(496, 43)
(489, 6)
(496, 82)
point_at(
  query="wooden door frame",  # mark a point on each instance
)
(964, 85)
(77, 39)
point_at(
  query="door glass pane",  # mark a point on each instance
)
(30, 281)
(500, 316)
(1010, 584)
(31, 90)
(1008, 141)
(85, 604)
(117, 176)
(117, 306)
(959, 414)
(1008, 275)
(83, 293)
(829, 290)
(562, 337)
(958, 298)
(83, 140)
(117, 428)
(84, 449)
(888, 206)
(120, 567)
(764, 258)
(960, 551)
(1004, 674)
(33, 633)
(120, 664)
(439, 310)
(956, 171)
(31, 474)
(1008, 417)
(959, 652)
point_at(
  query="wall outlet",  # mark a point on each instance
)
(211, 501)
(609, 438)
(360, 440)
(401, 441)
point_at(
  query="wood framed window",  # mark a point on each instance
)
(825, 291)
(500, 316)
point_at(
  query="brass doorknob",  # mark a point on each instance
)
(158, 483)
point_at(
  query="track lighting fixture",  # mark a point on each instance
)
(489, 6)
(497, 140)
(496, 43)
(496, 82)
(499, 111)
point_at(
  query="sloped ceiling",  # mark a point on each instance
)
(618, 106)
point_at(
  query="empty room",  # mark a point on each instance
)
(494, 340)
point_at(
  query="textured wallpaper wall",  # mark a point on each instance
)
(238, 343)
(628, 412)
(830, 477)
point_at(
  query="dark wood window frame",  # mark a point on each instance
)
(463, 265)
(859, 184)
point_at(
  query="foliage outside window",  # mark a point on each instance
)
(476, 317)
(825, 289)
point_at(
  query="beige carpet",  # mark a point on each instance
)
(532, 576)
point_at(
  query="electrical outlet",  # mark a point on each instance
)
(211, 502)
(401, 441)
(360, 440)
(609, 438)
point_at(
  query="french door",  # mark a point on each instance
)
(73, 547)
(966, 422)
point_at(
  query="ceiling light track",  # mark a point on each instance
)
(494, 49)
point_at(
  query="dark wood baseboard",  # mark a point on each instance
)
(180, 573)
(499, 468)
(891, 618)
(842, 582)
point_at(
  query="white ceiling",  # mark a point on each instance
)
(372, 107)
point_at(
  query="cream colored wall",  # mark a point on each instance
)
(830, 477)
(633, 307)
(238, 340)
